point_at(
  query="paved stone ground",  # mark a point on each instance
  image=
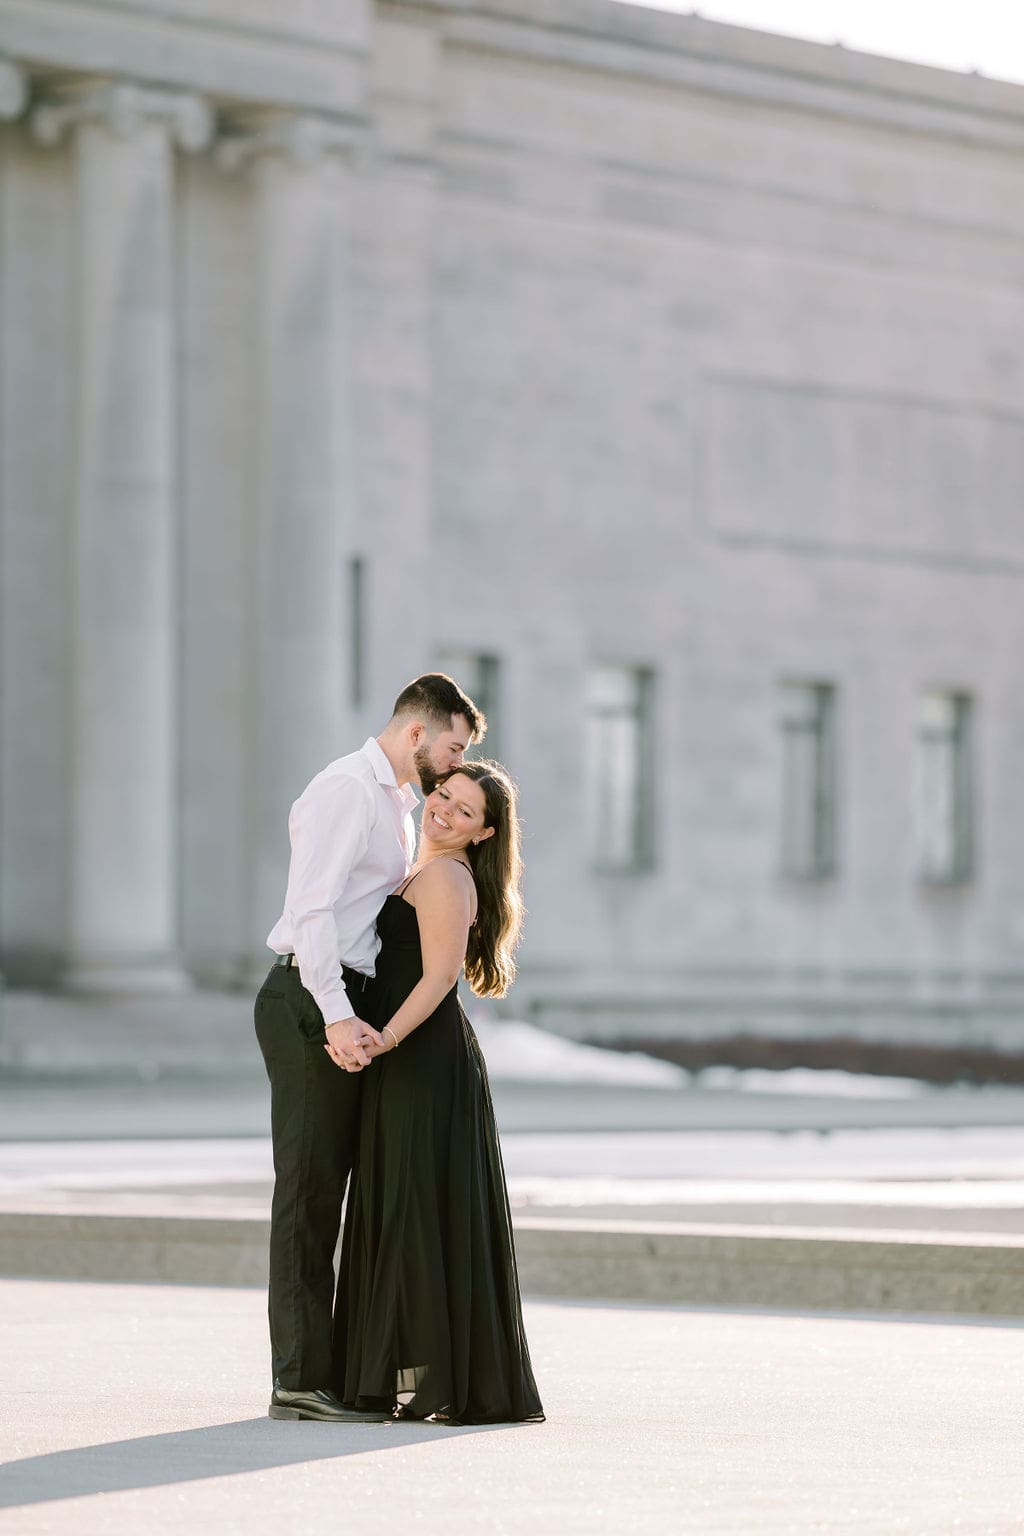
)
(141, 1409)
(790, 1166)
(925, 1180)
(187, 1065)
(218, 1102)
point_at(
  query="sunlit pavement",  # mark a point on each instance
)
(134, 1409)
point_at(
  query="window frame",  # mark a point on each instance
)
(822, 863)
(960, 833)
(480, 675)
(641, 856)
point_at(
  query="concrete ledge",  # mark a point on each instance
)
(103, 1245)
(744, 1266)
(792, 1267)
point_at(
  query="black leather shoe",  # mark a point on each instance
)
(320, 1405)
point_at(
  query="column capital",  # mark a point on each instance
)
(301, 137)
(13, 89)
(124, 107)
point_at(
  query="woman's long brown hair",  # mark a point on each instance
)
(497, 865)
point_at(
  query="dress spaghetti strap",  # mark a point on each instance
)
(415, 876)
(407, 882)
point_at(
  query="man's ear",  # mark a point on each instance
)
(417, 730)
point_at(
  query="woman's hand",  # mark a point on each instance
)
(352, 1043)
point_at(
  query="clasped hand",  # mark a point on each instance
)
(352, 1044)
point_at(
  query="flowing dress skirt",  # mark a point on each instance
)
(428, 1313)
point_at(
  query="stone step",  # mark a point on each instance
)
(609, 1260)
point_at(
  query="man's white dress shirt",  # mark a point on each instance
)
(352, 840)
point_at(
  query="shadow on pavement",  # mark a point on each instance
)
(189, 1455)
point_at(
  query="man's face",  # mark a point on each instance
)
(444, 750)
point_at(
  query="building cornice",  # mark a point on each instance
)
(695, 54)
(164, 43)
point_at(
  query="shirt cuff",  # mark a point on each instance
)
(334, 1004)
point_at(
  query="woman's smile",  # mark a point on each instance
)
(454, 812)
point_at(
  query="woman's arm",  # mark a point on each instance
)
(445, 901)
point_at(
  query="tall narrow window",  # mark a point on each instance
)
(618, 767)
(480, 677)
(942, 788)
(357, 642)
(808, 780)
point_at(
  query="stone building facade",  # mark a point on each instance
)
(664, 379)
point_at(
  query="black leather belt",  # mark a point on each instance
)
(350, 977)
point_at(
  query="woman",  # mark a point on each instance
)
(428, 1319)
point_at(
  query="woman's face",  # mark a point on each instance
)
(453, 814)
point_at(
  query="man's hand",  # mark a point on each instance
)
(352, 1044)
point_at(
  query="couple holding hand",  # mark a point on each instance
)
(375, 1069)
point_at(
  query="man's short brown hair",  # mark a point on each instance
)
(435, 698)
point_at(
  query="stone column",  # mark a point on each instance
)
(13, 96)
(123, 890)
(403, 303)
(302, 474)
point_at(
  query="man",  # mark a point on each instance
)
(352, 842)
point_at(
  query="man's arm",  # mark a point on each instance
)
(330, 829)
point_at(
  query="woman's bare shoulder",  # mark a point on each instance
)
(444, 878)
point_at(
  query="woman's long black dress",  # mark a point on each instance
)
(428, 1311)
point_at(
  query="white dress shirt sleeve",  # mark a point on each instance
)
(330, 829)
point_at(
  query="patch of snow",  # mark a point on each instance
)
(810, 1080)
(937, 1194)
(518, 1052)
(995, 1152)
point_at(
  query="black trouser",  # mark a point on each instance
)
(314, 1118)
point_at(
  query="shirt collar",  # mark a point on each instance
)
(385, 774)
